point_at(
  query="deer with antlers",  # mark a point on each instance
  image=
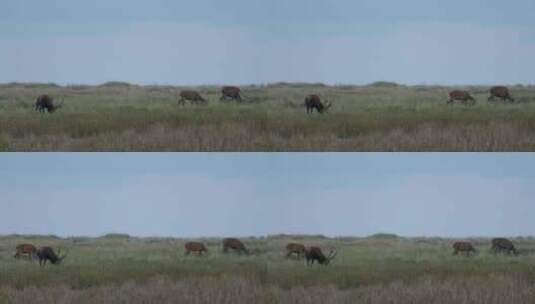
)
(313, 254)
(314, 102)
(47, 254)
(46, 103)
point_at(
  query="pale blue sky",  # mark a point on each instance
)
(253, 41)
(208, 194)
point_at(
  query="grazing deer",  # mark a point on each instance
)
(463, 247)
(503, 245)
(46, 103)
(315, 254)
(295, 248)
(234, 244)
(27, 249)
(189, 95)
(47, 254)
(500, 92)
(232, 93)
(462, 96)
(197, 247)
(314, 102)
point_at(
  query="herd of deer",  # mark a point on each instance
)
(498, 245)
(44, 254)
(312, 102)
(311, 254)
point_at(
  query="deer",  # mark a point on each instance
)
(197, 247)
(295, 248)
(463, 96)
(230, 93)
(192, 96)
(313, 254)
(503, 245)
(27, 249)
(463, 247)
(500, 92)
(47, 254)
(46, 103)
(234, 244)
(314, 102)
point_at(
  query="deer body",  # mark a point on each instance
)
(47, 254)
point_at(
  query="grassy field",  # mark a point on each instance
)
(379, 117)
(378, 269)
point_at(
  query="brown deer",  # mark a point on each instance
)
(500, 92)
(234, 244)
(315, 254)
(463, 96)
(314, 102)
(197, 247)
(295, 248)
(503, 245)
(189, 95)
(47, 254)
(232, 93)
(46, 103)
(27, 249)
(463, 247)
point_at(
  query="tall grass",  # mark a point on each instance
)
(479, 290)
(370, 270)
(381, 117)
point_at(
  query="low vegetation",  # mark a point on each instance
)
(368, 270)
(379, 117)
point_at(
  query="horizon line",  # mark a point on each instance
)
(379, 83)
(276, 235)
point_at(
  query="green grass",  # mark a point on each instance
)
(366, 268)
(381, 117)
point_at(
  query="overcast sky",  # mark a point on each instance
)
(259, 41)
(242, 194)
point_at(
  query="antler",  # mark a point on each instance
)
(332, 254)
(60, 256)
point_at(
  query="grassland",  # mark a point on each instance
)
(379, 269)
(379, 117)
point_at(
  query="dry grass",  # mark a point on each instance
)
(120, 117)
(380, 269)
(479, 290)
